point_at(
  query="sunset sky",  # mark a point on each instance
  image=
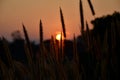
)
(29, 12)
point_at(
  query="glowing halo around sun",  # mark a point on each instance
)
(59, 36)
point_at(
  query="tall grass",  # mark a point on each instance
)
(63, 23)
(41, 32)
(54, 65)
(81, 16)
(91, 7)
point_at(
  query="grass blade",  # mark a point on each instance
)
(81, 16)
(27, 39)
(63, 24)
(91, 7)
(41, 32)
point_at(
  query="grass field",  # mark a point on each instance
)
(99, 61)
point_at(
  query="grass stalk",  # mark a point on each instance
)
(91, 7)
(41, 32)
(63, 23)
(27, 40)
(81, 16)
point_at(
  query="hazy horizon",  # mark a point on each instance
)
(29, 12)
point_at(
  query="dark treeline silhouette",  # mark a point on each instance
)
(107, 29)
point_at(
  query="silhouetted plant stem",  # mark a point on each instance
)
(41, 32)
(27, 40)
(81, 16)
(62, 22)
(91, 7)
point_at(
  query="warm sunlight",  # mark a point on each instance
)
(58, 37)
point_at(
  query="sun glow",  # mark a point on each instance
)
(59, 36)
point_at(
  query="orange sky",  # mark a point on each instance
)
(15, 12)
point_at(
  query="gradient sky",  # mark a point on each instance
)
(15, 12)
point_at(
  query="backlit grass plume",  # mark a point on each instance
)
(63, 24)
(29, 54)
(41, 32)
(26, 35)
(91, 7)
(27, 39)
(81, 15)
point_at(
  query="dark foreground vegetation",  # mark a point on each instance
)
(92, 56)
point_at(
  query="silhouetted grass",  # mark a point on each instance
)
(94, 63)
(63, 23)
(81, 16)
(91, 7)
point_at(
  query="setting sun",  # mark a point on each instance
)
(58, 37)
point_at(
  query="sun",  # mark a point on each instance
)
(59, 36)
